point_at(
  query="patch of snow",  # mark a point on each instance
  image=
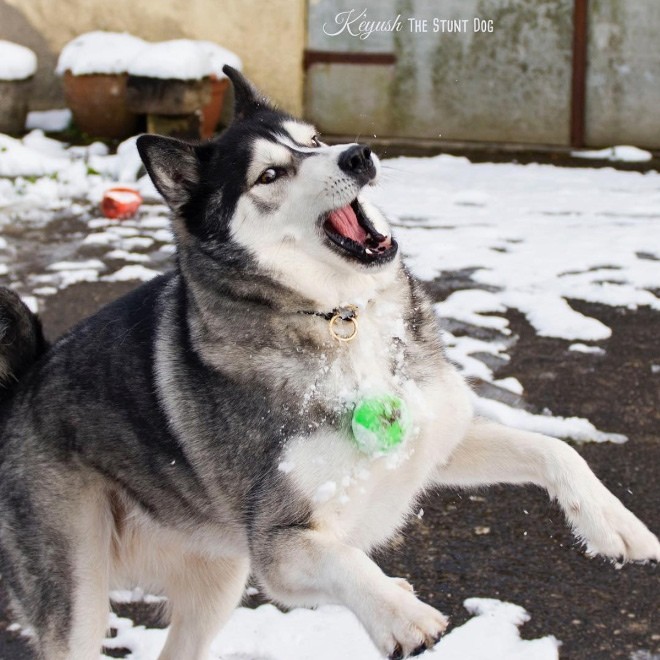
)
(85, 152)
(621, 153)
(179, 59)
(65, 278)
(31, 303)
(123, 230)
(96, 264)
(113, 52)
(147, 189)
(574, 428)
(100, 238)
(541, 235)
(99, 52)
(511, 384)
(16, 62)
(472, 306)
(583, 348)
(49, 121)
(17, 159)
(461, 349)
(163, 236)
(130, 163)
(552, 316)
(37, 141)
(123, 255)
(45, 291)
(220, 56)
(129, 273)
(137, 242)
(136, 595)
(156, 221)
(332, 632)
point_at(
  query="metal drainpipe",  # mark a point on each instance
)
(579, 74)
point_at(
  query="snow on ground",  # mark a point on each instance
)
(529, 238)
(622, 153)
(48, 120)
(332, 632)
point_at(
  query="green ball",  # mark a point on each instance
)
(380, 423)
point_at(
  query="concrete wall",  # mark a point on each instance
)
(268, 35)
(511, 85)
(623, 81)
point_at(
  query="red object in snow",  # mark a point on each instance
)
(120, 203)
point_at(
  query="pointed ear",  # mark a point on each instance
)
(247, 98)
(173, 166)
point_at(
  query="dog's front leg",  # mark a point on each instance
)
(491, 453)
(309, 567)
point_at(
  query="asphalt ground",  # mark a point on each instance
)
(511, 543)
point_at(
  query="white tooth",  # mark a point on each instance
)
(368, 251)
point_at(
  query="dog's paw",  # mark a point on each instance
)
(401, 625)
(611, 530)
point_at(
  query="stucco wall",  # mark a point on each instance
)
(269, 35)
(512, 84)
(623, 81)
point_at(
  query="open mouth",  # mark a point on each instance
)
(349, 229)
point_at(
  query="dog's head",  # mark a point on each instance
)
(269, 188)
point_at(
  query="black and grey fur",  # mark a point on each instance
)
(21, 340)
(198, 429)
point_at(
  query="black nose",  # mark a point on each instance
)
(357, 160)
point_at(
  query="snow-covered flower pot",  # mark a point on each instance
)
(94, 67)
(17, 67)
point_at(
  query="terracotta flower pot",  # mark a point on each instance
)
(212, 111)
(98, 104)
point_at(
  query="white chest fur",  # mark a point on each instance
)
(364, 498)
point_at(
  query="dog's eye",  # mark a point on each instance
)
(271, 174)
(315, 141)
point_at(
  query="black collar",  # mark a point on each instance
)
(344, 313)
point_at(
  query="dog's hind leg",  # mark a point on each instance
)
(59, 573)
(203, 593)
(492, 454)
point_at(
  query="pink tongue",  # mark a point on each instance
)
(345, 222)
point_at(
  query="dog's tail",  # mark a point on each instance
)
(21, 340)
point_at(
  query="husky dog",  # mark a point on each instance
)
(203, 427)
